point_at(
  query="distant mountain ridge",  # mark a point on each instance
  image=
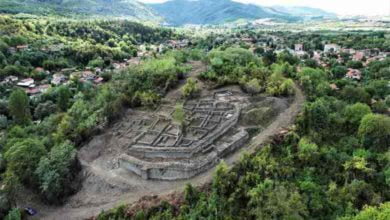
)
(173, 12)
(179, 12)
(115, 8)
(305, 11)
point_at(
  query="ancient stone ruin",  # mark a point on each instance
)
(157, 147)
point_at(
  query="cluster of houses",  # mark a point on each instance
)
(18, 48)
(33, 87)
(366, 56)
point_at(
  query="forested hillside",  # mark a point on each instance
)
(179, 12)
(80, 8)
(42, 124)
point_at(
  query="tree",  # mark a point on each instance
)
(63, 97)
(18, 105)
(310, 79)
(372, 213)
(44, 109)
(354, 113)
(353, 94)
(272, 200)
(56, 172)
(279, 85)
(374, 131)
(269, 58)
(23, 158)
(339, 71)
(355, 64)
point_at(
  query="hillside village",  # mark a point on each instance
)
(93, 75)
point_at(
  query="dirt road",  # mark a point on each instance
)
(102, 191)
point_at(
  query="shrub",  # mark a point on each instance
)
(190, 89)
(374, 131)
(56, 172)
(23, 158)
(253, 86)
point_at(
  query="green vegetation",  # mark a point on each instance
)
(237, 65)
(19, 106)
(79, 8)
(190, 89)
(42, 156)
(179, 114)
(332, 164)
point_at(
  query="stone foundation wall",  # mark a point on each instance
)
(182, 169)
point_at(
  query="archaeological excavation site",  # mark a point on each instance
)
(152, 145)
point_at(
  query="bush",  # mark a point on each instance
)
(98, 62)
(13, 70)
(278, 85)
(190, 89)
(23, 158)
(179, 114)
(5, 204)
(354, 113)
(56, 172)
(14, 214)
(307, 150)
(374, 131)
(353, 94)
(253, 86)
(44, 110)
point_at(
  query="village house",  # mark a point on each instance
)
(37, 90)
(88, 75)
(98, 80)
(161, 48)
(348, 50)
(67, 70)
(41, 70)
(247, 40)
(331, 48)
(358, 56)
(11, 79)
(58, 78)
(118, 65)
(22, 47)
(98, 70)
(354, 74)
(317, 56)
(178, 44)
(298, 47)
(133, 61)
(29, 82)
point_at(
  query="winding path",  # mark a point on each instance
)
(92, 205)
